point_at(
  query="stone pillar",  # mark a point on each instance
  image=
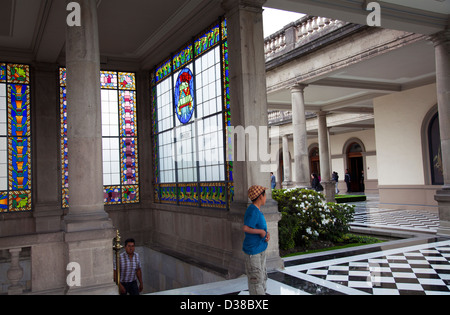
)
(248, 109)
(301, 158)
(287, 183)
(442, 48)
(88, 228)
(325, 169)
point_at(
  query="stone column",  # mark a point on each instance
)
(88, 228)
(248, 109)
(301, 158)
(287, 183)
(442, 48)
(325, 169)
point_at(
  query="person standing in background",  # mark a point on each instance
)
(130, 270)
(348, 180)
(273, 181)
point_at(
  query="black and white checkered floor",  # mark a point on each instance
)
(417, 266)
(412, 220)
(421, 268)
(414, 267)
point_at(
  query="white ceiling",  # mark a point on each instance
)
(437, 6)
(417, 16)
(352, 89)
(145, 32)
(141, 31)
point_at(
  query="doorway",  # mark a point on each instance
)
(314, 160)
(355, 163)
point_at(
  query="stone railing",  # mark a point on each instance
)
(32, 264)
(285, 117)
(297, 34)
(279, 117)
(14, 283)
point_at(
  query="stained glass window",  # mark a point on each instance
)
(190, 105)
(15, 138)
(120, 138)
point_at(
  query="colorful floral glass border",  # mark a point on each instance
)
(127, 192)
(15, 138)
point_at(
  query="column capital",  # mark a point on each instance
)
(321, 113)
(298, 87)
(441, 38)
(231, 5)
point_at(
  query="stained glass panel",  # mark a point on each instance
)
(4, 202)
(130, 194)
(15, 138)
(183, 57)
(207, 40)
(188, 194)
(19, 163)
(127, 81)
(120, 139)
(20, 201)
(19, 110)
(108, 80)
(163, 71)
(2, 72)
(190, 107)
(214, 195)
(19, 74)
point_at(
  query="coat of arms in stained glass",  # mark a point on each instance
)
(184, 96)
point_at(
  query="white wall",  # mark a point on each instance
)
(398, 126)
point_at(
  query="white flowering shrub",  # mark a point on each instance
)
(307, 216)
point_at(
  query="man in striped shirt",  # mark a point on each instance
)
(130, 270)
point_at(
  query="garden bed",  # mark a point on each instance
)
(350, 198)
(316, 246)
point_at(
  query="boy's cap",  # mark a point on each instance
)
(255, 191)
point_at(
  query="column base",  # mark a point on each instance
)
(236, 219)
(92, 251)
(329, 190)
(301, 185)
(443, 199)
(86, 222)
(287, 184)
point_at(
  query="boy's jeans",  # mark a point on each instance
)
(255, 267)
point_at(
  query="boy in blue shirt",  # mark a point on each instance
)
(256, 241)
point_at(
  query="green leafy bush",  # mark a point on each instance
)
(306, 216)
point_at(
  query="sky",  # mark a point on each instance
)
(274, 20)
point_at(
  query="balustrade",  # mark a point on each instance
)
(303, 29)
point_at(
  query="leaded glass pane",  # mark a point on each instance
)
(120, 138)
(190, 107)
(15, 138)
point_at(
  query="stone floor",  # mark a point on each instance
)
(417, 265)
